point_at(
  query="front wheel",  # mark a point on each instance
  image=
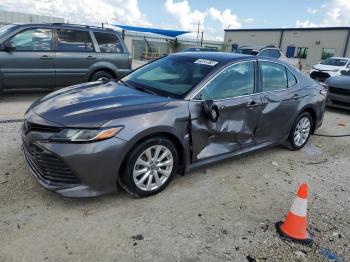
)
(101, 76)
(150, 167)
(300, 131)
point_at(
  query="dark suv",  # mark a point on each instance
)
(58, 55)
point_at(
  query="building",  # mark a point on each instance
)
(7, 17)
(311, 45)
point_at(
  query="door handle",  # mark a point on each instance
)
(90, 57)
(296, 96)
(252, 103)
(45, 57)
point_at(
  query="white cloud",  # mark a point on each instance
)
(306, 23)
(335, 13)
(83, 11)
(188, 19)
(312, 11)
(226, 18)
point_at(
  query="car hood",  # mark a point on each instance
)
(342, 81)
(93, 104)
(327, 67)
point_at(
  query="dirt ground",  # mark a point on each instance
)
(225, 212)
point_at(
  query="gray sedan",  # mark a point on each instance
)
(175, 114)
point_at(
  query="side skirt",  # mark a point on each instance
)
(240, 152)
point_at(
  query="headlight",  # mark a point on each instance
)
(85, 135)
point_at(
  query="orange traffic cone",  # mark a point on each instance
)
(294, 227)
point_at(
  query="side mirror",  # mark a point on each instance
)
(7, 47)
(211, 110)
(348, 66)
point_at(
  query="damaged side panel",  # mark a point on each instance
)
(234, 129)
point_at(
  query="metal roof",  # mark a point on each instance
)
(171, 33)
(289, 29)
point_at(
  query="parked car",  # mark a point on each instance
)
(58, 55)
(200, 49)
(172, 115)
(339, 90)
(268, 51)
(330, 67)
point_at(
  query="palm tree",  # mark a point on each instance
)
(174, 45)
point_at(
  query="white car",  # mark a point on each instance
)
(330, 67)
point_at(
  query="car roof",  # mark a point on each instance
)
(258, 47)
(221, 57)
(69, 26)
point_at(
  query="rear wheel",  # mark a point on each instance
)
(101, 76)
(150, 167)
(300, 131)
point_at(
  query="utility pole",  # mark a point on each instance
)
(202, 39)
(198, 30)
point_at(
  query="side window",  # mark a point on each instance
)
(292, 81)
(74, 41)
(274, 76)
(235, 80)
(265, 53)
(108, 43)
(275, 53)
(38, 39)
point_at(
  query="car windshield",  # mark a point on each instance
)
(247, 51)
(172, 76)
(6, 29)
(335, 62)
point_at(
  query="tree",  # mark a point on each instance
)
(174, 45)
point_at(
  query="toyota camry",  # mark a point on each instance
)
(168, 117)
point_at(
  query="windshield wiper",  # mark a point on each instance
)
(137, 87)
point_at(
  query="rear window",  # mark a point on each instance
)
(247, 51)
(74, 41)
(108, 43)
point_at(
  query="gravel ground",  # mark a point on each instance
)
(225, 212)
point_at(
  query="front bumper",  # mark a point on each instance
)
(341, 101)
(74, 170)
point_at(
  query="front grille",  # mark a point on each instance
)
(29, 127)
(49, 167)
(319, 75)
(340, 91)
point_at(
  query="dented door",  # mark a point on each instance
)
(233, 91)
(234, 129)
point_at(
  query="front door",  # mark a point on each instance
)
(75, 55)
(232, 90)
(32, 62)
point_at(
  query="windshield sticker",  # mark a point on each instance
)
(205, 62)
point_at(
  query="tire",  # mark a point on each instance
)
(303, 125)
(100, 76)
(144, 168)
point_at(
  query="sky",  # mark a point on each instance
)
(213, 16)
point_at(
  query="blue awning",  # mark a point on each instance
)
(171, 33)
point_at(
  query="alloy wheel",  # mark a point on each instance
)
(153, 168)
(302, 131)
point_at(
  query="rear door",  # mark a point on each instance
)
(112, 51)
(281, 95)
(75, 54)
(232, 90)
(31, 64)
